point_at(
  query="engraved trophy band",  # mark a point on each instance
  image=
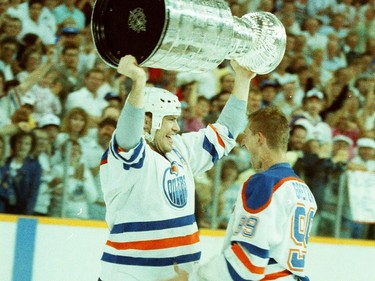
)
(186, 35)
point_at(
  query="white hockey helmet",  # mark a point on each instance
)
(160, 103)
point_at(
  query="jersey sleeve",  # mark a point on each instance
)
(204, 148)
(131, 159)
(116, 163)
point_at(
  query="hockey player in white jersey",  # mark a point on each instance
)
(268, 233)
(147, 177)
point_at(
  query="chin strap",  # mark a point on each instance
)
(150, 140)
(150, 136)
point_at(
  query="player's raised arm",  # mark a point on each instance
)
(131, 121)
(241, 86)
(128, 67)
(233, 115)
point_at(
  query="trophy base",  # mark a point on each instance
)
(121, 27)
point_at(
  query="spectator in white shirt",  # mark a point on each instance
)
(88, 97)
(46, 17)
(334, 58)
(46, 101)
(33, 23)
(316, 128)
(288, 99)
(364, 160)
(67, 9)
(79, 188)
(314, 40)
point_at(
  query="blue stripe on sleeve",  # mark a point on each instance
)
(138, 164)
(210, 148)
(259, 252)
(24, 249)
(164, 261)
(152, 225)
(135, 154)
(230, 135)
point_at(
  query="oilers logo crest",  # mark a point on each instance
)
(174, 186)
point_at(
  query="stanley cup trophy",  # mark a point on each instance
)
(186, 35)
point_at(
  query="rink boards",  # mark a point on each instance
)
(48, 249)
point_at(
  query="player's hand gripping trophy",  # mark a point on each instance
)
(186, 35)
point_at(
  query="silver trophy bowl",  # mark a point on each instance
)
(186, 35)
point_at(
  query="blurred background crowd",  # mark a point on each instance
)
(59, 104)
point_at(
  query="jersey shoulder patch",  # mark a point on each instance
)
(257, 193)
(258, 190)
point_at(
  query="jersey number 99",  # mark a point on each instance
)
(300, 232)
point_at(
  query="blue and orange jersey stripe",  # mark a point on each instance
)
(241, 255)
(210, 147)
(189, 240)
(219, 139)
(156, 244)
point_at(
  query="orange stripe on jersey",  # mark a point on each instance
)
(265, 205)
(245, 260)
(103, 161)
(220, 140)
(274, 276)
(156, 244)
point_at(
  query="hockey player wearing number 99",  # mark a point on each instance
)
(147, 177)
(268, 233)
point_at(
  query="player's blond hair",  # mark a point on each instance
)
(273, 124)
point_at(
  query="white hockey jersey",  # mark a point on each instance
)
(268, 233)
(150, 204)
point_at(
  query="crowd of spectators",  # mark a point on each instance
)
(59, 103)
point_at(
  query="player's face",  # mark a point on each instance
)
(251, 142)
(163, 137)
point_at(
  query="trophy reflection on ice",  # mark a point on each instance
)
(186, 35)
